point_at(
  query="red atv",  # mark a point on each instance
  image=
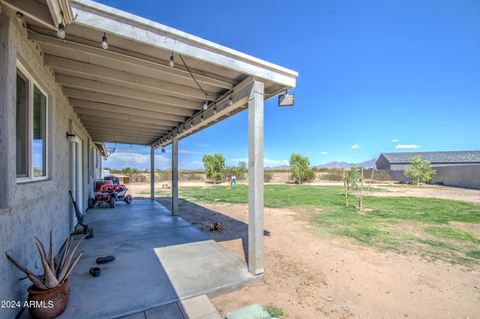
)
(109, 191)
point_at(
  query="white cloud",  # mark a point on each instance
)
(407, 146)
(395, 140)
(323, 153)
(355, 146)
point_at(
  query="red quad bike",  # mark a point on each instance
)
(108, 192)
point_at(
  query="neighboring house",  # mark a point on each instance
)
(77, 74)
(454, 168)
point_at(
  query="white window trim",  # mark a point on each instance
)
(31, 83)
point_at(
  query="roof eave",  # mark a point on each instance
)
(101, 17)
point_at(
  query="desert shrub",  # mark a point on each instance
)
(300, 169)
(137, 178)
(378, 175)
(161, 176)
(267, 176)
(187, 176)
(333, 174)
(420, 170)
(240, 171)
(214, 166)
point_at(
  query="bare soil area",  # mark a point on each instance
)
(311, 276)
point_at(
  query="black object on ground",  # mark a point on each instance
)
(95, 271)
(104, 260)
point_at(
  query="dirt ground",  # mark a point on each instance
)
(310, 276)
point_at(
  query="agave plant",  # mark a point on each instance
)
(56, 269)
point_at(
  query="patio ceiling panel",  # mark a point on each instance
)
(129, 93)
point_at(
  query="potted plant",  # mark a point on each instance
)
(48, 295)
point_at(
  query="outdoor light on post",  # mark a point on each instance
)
(104, 41)
(172, 61)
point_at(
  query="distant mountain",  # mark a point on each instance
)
(366, 164)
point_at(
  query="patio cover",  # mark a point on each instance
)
(129, 93)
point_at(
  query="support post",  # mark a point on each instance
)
(152, 173)
(174, 176)
(255, 178)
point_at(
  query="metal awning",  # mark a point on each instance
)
(129, 93)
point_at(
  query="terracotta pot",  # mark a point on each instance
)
(48, 304)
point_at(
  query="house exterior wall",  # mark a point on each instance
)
(32, 208)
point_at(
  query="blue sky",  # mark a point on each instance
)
(373, 76)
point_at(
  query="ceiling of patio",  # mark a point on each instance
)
(129, 93)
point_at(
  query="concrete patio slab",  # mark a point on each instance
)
(160, 260)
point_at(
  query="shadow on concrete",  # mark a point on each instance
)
(202, 217)
(160, 259)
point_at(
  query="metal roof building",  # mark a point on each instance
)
(436, 158)
(453, 168)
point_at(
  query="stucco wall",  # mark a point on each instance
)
(31, 209)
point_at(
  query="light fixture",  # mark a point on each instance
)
(205, 105)
(230, 100)
(61, 30)
(104, 41)
(172, 61)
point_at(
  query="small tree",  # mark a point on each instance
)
(420, 170)
(241, 171)
(214, 166)
(351, 179)
(300, 168)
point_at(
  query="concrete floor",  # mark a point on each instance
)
(160, 260)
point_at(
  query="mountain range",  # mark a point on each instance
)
(335, 164)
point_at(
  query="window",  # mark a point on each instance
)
(22, 126)
(31, 128)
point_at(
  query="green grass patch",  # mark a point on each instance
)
(474, 254)
(330, 199)
(402, 224)
(452, 233)
(274, 312)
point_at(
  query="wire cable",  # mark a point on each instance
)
(191, 74)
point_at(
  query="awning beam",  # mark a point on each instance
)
(230, 103)
(126, 62)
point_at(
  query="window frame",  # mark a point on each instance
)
(31, 84)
